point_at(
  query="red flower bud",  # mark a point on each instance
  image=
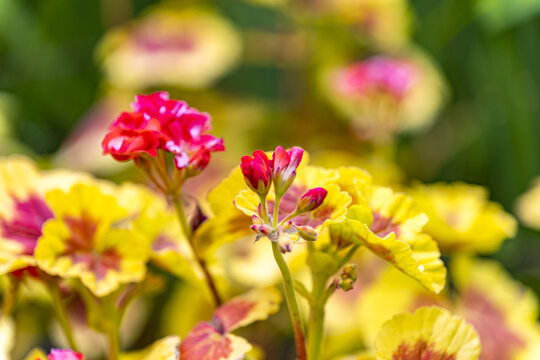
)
(284, 165)
(311, 200)
(257, 172)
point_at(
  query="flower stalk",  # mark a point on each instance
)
(202, 264)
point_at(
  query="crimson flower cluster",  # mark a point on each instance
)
(158, 123)
(260, 173)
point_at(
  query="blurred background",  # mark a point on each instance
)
(463, 105)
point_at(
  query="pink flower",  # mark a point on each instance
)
(59, 354)
(284, 165)
(158, 123)
(311, 200)
(394, 77)
(257, 172)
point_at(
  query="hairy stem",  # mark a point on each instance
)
(187, 231)
(290, 295)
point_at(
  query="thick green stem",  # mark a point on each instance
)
(62, 316)
(202, 264)
(320, 294)
(276, 212)
(290, 295)
(114, 344)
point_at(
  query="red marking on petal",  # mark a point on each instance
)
(499, 341)
(383, 226)
(80, 247)
(204, 342)
(230, 314)
(25, 226)
(420, 350)
(59, 354)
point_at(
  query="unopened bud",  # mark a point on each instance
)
(285, 244)
(311, 200)
(347, 278)
(262, 229)
(257, 172)
(255, 220)
(307, 232)
(287, 225)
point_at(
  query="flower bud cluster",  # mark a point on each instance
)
(260, 173)
(346, 280)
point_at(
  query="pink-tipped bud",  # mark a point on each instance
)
(257, 172)
(59, 354)
(255, 220)
(285, 244)
(262, 229)
(287, 225)
(311, 200)
(306, 232)
(284, 164)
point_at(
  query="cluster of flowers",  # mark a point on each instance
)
(93, 240)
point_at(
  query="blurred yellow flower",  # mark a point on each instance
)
(503, 311)
(429, 333)
(528, 206)
(163, 349)
(90, 238)
(462, 219)
(385, 95)
(23, 208)
(188, 48)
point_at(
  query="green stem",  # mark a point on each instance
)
(114, 343)
(276, 212)
(62, 316)
(317, 309)
(264, 211)
(294, 311)
(202, 264)
(316, 318)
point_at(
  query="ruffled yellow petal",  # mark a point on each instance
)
(417, 257)
(165, 349)
(429, 333)
(462, 219)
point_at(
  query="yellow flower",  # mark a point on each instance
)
(462, 219)
(385, 95)
(429, 333)
(391, 227)
(90, 238)
(23, 208)
(528, 206)
(188, 48)
(503, 312)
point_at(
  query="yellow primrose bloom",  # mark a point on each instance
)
(528, 206)
(461, 218)
(429, 333)
(503, 311)
(91, 239)
(392, 229)
(23, 208)
(188, 48)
